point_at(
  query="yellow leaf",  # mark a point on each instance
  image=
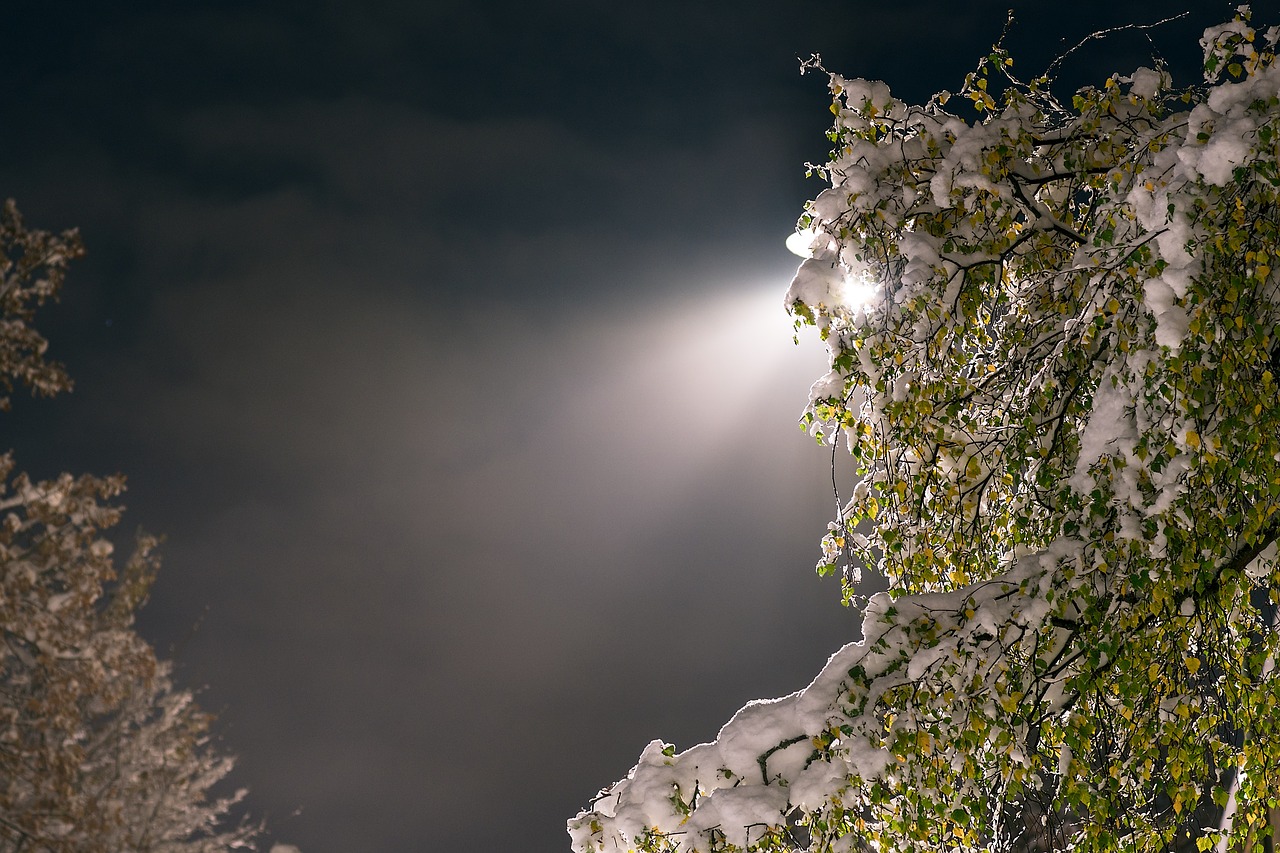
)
(1193, 439)
(1193, 664)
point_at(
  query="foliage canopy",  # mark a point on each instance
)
(1061, 397)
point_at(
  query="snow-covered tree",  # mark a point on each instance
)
(33, 265)
(1054, 338)
(99, 751)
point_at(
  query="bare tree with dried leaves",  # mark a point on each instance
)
(99, 751)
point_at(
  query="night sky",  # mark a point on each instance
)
(444, 343)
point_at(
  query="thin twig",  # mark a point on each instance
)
(1103, 34)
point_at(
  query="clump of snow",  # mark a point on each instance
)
(1161, 300)
(1147, 82)
(1110, 429)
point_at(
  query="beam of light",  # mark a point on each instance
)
(685, 387)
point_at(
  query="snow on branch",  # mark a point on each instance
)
(1052, 331)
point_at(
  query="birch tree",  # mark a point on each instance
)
(1054, 335)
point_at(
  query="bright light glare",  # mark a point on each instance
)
(857, 292)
